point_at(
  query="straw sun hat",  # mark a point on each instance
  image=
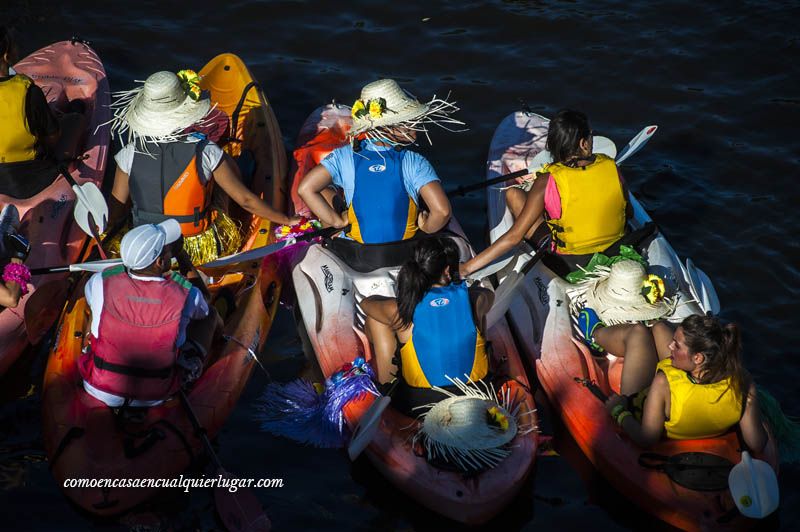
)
(471, 431)
(384, 105)
(162, 108)
(619, 294)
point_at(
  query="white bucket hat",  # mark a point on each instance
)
(142, 245)
(617, 294)
(384, 104)
(161, 109)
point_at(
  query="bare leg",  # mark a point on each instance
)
(384, 343)
(635, 343)
(662, 335)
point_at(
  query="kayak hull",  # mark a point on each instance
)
(86, 439)
(327, 290)
(541, 321)
(65, 71)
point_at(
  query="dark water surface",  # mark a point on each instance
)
(718, 177)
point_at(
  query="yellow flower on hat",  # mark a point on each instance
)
(376, 107)
(653, 289)
(496, 417)
(358, 110)
(190, 82)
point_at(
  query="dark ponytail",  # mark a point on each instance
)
(721, 345)
(431, 257)
(565, 133)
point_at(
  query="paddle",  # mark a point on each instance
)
(506, 291)
(91, 209)
(701, 288)
(93, 266)
(754, 487)
(240, 511)
(604, 146)
(367, 426)
(261, 252)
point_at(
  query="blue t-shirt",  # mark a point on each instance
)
(417, 171)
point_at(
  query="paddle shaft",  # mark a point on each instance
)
(465, 189)
(199, 430)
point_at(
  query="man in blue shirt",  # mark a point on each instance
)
(383, 183)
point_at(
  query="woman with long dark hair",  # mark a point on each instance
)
(696, 384)
(438, 321)
(580, 196)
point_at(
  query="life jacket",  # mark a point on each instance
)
(444, 340)
(381, 210)
(699, 410)
(134, 354)
(166, 184)
(592, 207)
(17, 143)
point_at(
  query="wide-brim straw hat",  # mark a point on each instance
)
(159, 110)
(462, 423)
(616, 295)
(401, 109)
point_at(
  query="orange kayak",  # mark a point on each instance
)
(83, 437)
(327, 290)
(541, 321)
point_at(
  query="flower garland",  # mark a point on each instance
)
(17, 273)
(373, 108)
(306, 225)
(190, 82)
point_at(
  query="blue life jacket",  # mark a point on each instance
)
(381, 210)
(444, 341)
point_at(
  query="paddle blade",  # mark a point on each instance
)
(241, 510)
(604, 145)
(253, 254)
(89, 200)
(702, 288)
(367, 427)
(636, 143)
(754, 487)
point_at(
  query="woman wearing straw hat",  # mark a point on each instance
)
(438, 321)
(687, 383)
(383, 182)
(167, 169)
(580, 199)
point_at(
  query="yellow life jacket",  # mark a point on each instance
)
(17, 143)
(592, 207)
(699, 410)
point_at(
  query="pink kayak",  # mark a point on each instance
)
(66, 71)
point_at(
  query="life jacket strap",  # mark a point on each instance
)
(131, 371)
(149, 217)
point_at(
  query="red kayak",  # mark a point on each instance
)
(66, 71)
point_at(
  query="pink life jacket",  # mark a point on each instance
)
(134, 355)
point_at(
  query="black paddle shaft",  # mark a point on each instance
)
(465, 189)
(198, 429)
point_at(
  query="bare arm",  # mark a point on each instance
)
(531, 214)
(649, 431)
(227, 177)
(751, 424)
(120, 194)
(310, 190)
(439, 210)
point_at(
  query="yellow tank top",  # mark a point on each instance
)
(699, 410)
(592, 206)
(17, 143)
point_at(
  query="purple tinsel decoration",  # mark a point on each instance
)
(295, 410)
